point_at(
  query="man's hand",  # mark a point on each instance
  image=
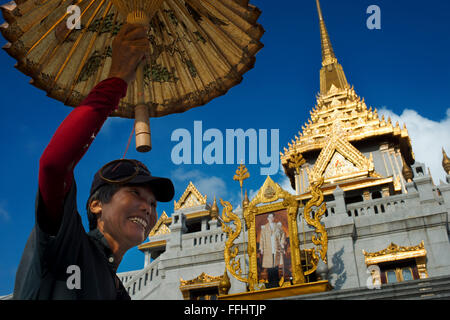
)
(128, 48)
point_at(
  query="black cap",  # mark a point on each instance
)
(129, 171)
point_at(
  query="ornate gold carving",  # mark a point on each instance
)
(255, 208)
(201, 280)
(445, 162)
(205, 281)
(394, 253)
(339, 151)
(231, 251)
(241, 174)
(190, 198)
(342, 115)
(321, 240)
(296, 161)
(160, 226)
(269, 192)
(272, 198)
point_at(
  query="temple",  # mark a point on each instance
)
(366, 220)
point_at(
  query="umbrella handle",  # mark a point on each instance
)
(141, 115)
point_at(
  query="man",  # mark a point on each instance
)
(61, 260)
(271, 247)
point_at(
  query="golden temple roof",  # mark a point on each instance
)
(190, 198)
(338, 120)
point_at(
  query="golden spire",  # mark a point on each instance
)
(246, 200)
(328, 56)
(445, 162)
(224, 284)
(214, 211)
(332, 73)
(407, 171)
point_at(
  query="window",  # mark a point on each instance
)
(205, 287)
(391, 276)
(397, 263)
(405, 270)
(376, 195)
(204, 294)
(407, 274)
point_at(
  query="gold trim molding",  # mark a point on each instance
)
(394, 253)
(151, 245)
(191, 197)
(281, 292)
(203, 281)
(160, 226)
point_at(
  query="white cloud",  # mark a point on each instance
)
(209, 185)
(182, 175)
(212, 186)
(4, 214)
(428, 137)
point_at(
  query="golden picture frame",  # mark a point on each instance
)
(271, 219)
(275, 206)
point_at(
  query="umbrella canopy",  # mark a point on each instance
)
(199, 49)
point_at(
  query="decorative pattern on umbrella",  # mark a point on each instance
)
(199, 50)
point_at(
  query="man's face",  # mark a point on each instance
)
(270, 218)
(129, 216)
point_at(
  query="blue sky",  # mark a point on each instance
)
(402, 69)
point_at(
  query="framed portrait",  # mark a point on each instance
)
(273, 245)
(274, 262)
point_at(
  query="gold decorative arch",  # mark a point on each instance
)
(271, 198)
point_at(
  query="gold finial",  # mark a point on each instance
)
(214, 211)
(224, 284)
(407, 171)
(241, 174)
(319, 10)
(246, 201)
(332, 73)
(296, 161)
(328, 56)
(445, 162)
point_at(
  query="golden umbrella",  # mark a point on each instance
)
(199, 49)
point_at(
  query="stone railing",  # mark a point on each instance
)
(126, 276)
(386, 205)
(204, 238)
(143, 279)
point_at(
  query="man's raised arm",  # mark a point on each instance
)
(76, 133)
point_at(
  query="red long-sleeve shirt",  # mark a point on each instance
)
(71, 141)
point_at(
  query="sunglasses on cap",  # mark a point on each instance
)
(130, 171)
